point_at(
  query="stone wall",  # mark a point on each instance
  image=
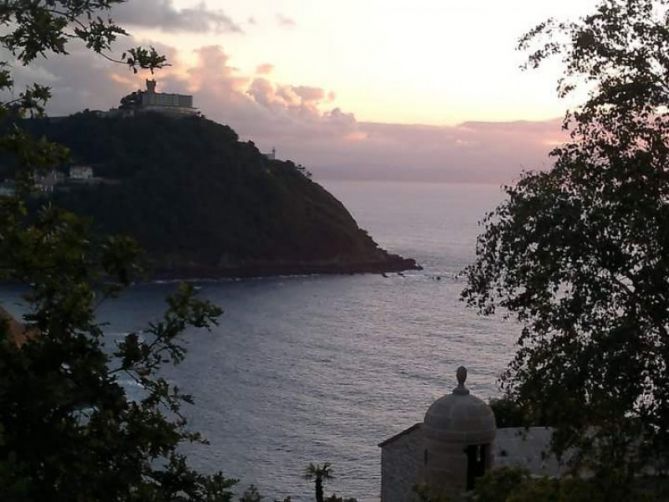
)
(401, 464)
(402, 458)
(528, 448)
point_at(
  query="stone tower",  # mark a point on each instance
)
(458, 432)
(151, 86)
(447, 451)
(456, 443)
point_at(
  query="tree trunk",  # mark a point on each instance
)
(319, 489)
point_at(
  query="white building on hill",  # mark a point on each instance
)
(152, 101)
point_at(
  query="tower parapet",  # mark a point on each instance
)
(150, 86)
(459, 430)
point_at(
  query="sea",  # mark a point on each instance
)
(316, 369)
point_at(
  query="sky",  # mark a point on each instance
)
(426, 90)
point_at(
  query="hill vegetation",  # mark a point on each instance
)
(203, 203)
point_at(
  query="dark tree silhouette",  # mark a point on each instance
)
(580, 253)
(68, 431)
(318, 473)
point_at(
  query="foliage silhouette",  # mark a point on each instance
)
(318, 473)
(580, 254)
(68, 431)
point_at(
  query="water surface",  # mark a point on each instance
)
(323, 368)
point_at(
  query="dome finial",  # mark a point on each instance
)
(461, 374)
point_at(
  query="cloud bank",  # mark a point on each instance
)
(264, 69)
(162, 14)
(304, 124)
(285, 21)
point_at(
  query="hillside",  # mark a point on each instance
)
(204, 204)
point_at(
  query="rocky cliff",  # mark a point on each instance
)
(204, 204)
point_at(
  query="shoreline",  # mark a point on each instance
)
(266, 270)
(259, 270)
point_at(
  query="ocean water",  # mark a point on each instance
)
(323, 368)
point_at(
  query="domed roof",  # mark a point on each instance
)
(460, 417)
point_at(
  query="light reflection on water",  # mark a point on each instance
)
(316, 369)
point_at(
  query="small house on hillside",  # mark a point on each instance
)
(271, 155)
(81, 173)
(48, 181)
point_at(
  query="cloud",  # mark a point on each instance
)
(164, 15)
(83, 79)
(309, 94)
(469, 152)
(304, 126)
(213, 76)
(297, 101)
(285, 21)
(264, 69)
(304, 123)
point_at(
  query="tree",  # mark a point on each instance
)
(68, 431)
(497, 485)
(335, 498)
(580, 253)
(423, 493)
(318, 473)
(251, 494)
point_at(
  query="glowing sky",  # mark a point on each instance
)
(406, 61)
(391, 89)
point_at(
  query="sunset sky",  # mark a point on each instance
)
(397, 89)
(414, 61)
